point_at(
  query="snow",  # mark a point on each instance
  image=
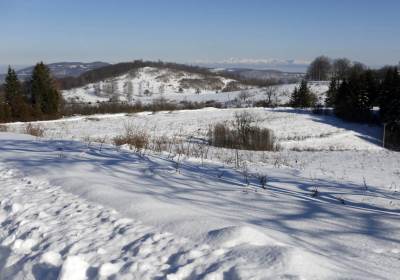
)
(71, 208)
(98, 213)
(78, 239)
(74, 268)
(158, 83)
(294, 129)
(166, 83)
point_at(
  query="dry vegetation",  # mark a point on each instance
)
(135, 137)
(3, 128)
(34, 130)
(243, 134)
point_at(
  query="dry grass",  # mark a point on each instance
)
(135, 137)
(3, 128)
(34, 130)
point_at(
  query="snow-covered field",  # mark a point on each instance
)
(294, 129)
(147, 84)
(71, 210)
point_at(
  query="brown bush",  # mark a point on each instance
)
(253, 138)
(34, 130)
(3, 128)
(136, 138)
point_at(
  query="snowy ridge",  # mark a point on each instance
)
(149, 83)
(146, 82)
(49, 234)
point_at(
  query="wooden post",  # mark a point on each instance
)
(384, 134)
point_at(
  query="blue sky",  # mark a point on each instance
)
(190, 30)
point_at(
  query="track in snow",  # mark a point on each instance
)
(49, 234)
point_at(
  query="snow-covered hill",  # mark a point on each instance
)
(151, 82)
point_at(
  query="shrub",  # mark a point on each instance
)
(231, 86)
(250, 138)
(34, 130)
(136, 138)
(3, 128)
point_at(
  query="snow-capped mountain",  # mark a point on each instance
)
(260, 74)
(288, 65)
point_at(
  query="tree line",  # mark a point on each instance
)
(35, 99)
(353, 93)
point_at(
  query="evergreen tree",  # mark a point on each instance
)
(5, 110)
(12, 85)
(371, 86)
(390, 96)
(352, 101)
(294, 99)
(45, 97)
(331, 93)
(342, 101)
(302, 97)
(14, 100)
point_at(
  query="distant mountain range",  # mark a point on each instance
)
(61, 69)
(258, 74)
(291, 65)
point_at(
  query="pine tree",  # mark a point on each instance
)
(341, 102)
(371, 86)
(390, 96)
(294, 99)
(45, 97)
(390, 108)
(353, 101)
(332, 92)
(14, 99)
(5, 110)
(302, 97)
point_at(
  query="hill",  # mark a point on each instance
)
(61, 69)
(129, 81)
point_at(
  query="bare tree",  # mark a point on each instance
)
(129, 91)
(341, 68)
(97, 89)
(114, 90)
(107, 89)
(161, 89)
(271, 93)
(140, 88)
(320, 69)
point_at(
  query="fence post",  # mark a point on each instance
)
(384, 134)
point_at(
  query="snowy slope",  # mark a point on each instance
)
(294, 129)
(76, 212)
(147, 84)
